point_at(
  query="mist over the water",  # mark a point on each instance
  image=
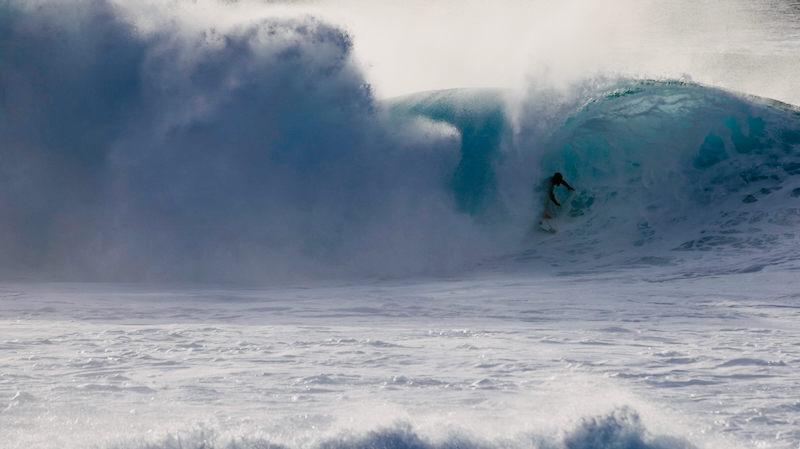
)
(217, 141)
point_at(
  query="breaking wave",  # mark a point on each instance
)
(256, 151)
(621, 429)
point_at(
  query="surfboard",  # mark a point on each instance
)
(548, 224)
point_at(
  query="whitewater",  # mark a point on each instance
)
(314, 225)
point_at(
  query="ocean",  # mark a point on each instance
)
(318, 224)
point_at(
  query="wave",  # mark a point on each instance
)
(255, 150)
(678, 166)
(620, 429)
(660, 167)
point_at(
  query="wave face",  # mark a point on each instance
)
(658, 166)
(257, 151)
(676, 166)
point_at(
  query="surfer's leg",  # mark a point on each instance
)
(546, 215)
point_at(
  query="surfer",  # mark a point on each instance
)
(556, 180)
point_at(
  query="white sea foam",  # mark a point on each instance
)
(489, 360)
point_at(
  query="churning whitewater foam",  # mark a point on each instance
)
(256, 150)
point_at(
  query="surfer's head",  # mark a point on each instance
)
(557, 178)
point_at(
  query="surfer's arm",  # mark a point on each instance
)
(553, 198)
(567, 185)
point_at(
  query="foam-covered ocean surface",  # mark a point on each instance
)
(637, 359)
(315, 225)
